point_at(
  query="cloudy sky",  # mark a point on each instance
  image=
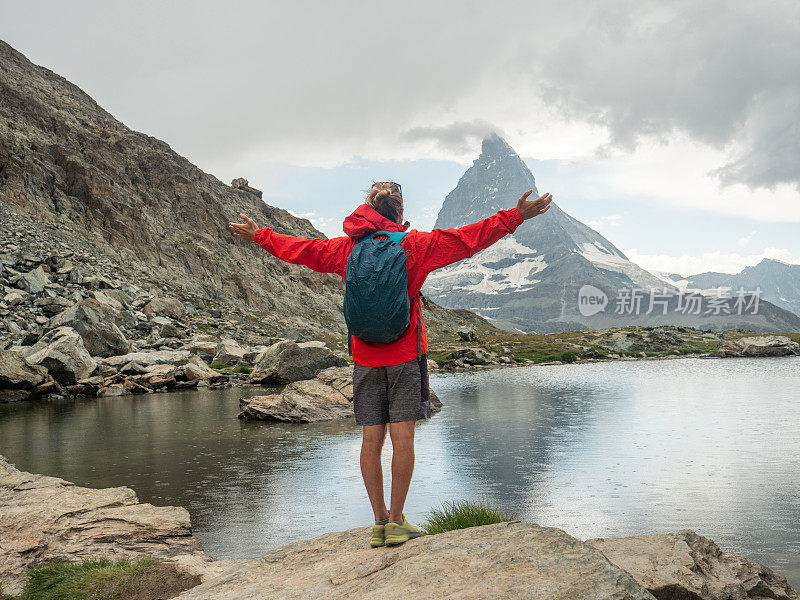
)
(672, 127)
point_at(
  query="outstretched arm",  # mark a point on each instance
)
(442, 247)
(318, 254)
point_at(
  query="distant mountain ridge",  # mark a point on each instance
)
(531, 280)
(778, 281)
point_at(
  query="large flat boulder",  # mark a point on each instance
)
(687, 566)
(153, 357)
(288, 361)
(96, 324)
(64, 356)
(45, 518)
(506, 560)
(327, 397)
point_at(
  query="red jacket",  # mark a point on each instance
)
(425, 250)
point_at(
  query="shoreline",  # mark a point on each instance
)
(44, 511)
(61, 368)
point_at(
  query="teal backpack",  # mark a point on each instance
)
(376, 303)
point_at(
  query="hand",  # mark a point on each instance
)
(533, 208)
(246, 230)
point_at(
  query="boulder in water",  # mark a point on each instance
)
(287, 361)
(327, 397)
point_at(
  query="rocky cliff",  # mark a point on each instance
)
(99, 222)
(127, 206)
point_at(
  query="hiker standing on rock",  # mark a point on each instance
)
(384, 266)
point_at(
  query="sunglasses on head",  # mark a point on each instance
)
(397, 185)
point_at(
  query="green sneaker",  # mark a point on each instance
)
(378, 536)
(397, 534)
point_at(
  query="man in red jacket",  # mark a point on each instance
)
(390, 384)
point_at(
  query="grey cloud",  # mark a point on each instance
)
(727, 73)
(226, 82)
(458, 137)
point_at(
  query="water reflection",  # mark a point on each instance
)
(603, 449)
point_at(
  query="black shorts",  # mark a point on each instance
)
(391, 394)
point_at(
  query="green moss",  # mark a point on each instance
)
(242, 369)
(463, 514)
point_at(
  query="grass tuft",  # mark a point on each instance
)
(462, 514)
(104, 579)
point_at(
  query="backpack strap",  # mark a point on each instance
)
(419, 328)
(395, 236)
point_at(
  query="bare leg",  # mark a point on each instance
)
(371, 471)
(402, 435)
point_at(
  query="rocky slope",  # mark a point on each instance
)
(531, 280)
(126, 205)
(110, 234)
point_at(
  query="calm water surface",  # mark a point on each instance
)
(604, 449)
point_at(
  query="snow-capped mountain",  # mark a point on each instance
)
(530, 281)
(778, 281)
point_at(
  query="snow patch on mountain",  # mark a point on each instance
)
(505, 267)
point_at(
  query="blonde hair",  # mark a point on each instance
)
(386, 197)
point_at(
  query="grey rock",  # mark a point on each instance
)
(467, 334)
(205, 347)
(170, 307)
(132, 368)
(95, 322)
(254, 354)
(32, 281)
(198, 370)
(687, 565)
(97, 282)
(166, 327)
(155, 357)
(106, 299)
(327, 397)
(115, 389)
(64, 356)
(287, 361)
(46, 518)
(17, 374)
(505, 560)
(470, 356)
(229, 352)
(772, 345)
(52, 306)
(14, 297)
